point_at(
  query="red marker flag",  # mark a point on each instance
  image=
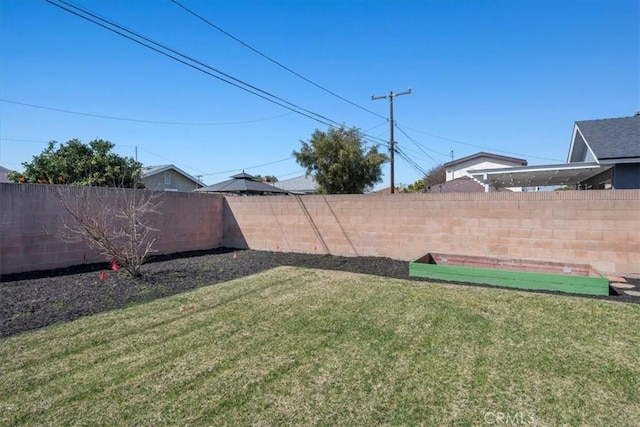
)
(114, 266)
(103, 275)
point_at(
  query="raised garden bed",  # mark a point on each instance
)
(512, 273)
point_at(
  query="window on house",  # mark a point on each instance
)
(167, 178)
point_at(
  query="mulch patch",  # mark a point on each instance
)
(34, 300)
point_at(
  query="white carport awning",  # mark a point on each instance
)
(539, 176)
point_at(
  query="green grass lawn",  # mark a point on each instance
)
(298, 346)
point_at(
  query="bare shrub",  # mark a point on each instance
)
(116, 221)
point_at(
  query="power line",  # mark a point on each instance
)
(163, 157)
(195, 64)
(107, 24)
(268, 58)
(249, 167)
(139, 120)
(480, 146)
(293, 173)
(168, 159)
(418, 155)
(421, 146)
(376, 126)
(418, 145)
(411, 162)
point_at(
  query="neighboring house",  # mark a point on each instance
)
(461, 167)
(304, 184)
(169, 178)
(604, 154)
(3, 174)
(613, 142)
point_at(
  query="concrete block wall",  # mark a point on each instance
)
(31, 217)
(601, 228)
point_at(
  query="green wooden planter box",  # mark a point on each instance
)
(512, 273)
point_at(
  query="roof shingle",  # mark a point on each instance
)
(612, 138)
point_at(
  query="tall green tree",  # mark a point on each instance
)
(75, 163)
(340, 161)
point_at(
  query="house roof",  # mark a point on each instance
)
(241, 183)
(300, 184)
(486, 155)
(464, 184)
(3, 174)
(154, 170)
(606, 139)
(539, 176)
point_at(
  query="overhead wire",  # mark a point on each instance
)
(170, 160)
(118, 29)
(418, 145)
(198, 65)
(376, 126)
(418, 155)
(410, 161)
(139, 120)
(268, 58)
(233, 81)
(250, 167)
(141, 148)
(240, 84)
(298, 172)
(480, 146)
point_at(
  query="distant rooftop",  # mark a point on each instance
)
(487, 155)
(305, 184)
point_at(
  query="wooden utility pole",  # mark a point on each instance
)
(391, 141)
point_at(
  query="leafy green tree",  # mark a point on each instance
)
(565, 188)
(436, 175)
(269, 178)
(339, 161)
(416, 187)
(75, 163)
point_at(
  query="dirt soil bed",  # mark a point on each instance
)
(34, 300)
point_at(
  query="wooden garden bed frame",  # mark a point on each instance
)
(512, 273)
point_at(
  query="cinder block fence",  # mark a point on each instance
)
(31, 217)
(601, 228)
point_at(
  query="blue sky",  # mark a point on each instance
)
(509, 77)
